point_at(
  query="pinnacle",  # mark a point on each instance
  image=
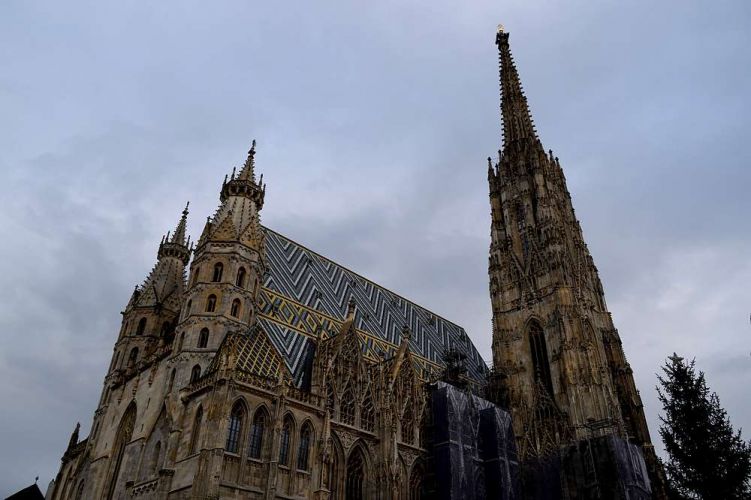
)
(243, 183)
(516, 118)
(248, 170)
(179, 234)
(351, 305)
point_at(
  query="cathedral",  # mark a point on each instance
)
(248, 366)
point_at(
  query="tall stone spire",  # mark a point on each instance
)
(554, 343)
(515, 115)
(166, 281)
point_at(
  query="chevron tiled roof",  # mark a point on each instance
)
(305, 293)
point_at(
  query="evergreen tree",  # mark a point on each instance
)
(706, 458)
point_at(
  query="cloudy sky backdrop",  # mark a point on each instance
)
(374, 120)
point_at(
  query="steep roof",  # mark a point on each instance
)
(250, 352)
(29, 493)
(306, 294)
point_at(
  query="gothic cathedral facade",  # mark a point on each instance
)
(248, 366)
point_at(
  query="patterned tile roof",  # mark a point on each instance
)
(305, 293)
(251, 352)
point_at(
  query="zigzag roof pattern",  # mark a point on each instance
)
(306, 294)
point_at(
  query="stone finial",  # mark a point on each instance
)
(351, 308)
(406, 333)
(74, 436)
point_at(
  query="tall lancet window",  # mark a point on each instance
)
(196, 434)
(255, 448)
(203, 338)
(284, 442)
(306, 436)
(235, 427)
(408, 424)
(195, 373)
(235, 309)
(241, 278)
(211, 303)
(141, 326)
(218, 268)
(367, 413)
(540, 361)
(347, 407)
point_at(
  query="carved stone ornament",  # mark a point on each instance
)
(346, 438)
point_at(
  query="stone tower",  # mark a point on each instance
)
(556, 352)
(153, 311)
(227, 266)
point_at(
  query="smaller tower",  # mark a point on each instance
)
(228, 265)
(149, 318)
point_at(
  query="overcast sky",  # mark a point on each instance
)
(373, 122)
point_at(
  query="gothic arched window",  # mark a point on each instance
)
(141, 326)
(195, 373)
(255, 447)
(408, 424)
(236, 418)
(211, 303)
(334, 477)
(171, 380)
(540, 362)
(203, 338)
(284, 442)
(166, 327)
(196, 273)
(133, 357)
(155, 455)
(367, 413)
(218, 268)
(347, 407)
(79, 491)
(306, 436)
(196, 434)
(235, 309)
(355, 476)
(188, 307)
(240, 281)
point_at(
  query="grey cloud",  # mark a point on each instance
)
(373, 124)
